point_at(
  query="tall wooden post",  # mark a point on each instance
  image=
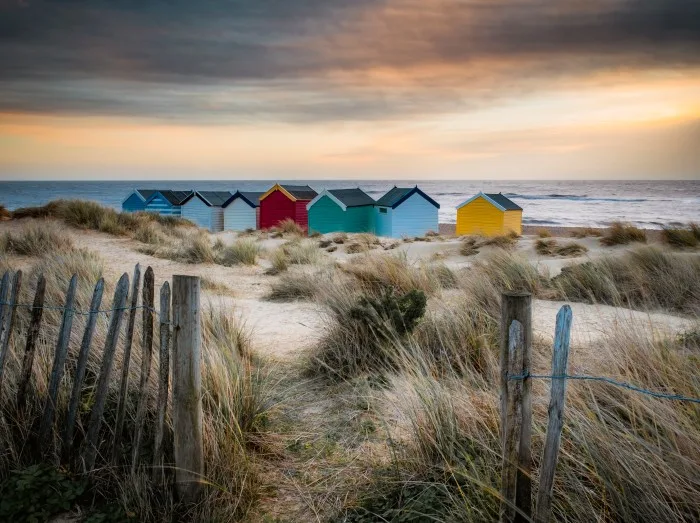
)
(517, 306)
(560, 356)
(187, 387)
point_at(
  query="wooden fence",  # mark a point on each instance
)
(84, 441)
(516, 410)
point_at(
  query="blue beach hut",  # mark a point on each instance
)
(205, 209)
(405, 211)
(167, 203)
(136, 201)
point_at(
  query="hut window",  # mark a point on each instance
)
(382, 210)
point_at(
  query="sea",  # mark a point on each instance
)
(647, 204)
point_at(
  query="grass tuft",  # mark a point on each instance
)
(244, 251)
(622, 234)
(34, 239)
(682, 238)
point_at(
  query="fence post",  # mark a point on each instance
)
(518, 306)
(80, 368)
(4, 289)
(187, 384)
(7, 325)
(115, 323)
(146, 353)
(164, 374)
(512, 424)
(59, 362)
(123, 390)
(560, 356)
(30, 346)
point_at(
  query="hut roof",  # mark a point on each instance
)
(145, 193)
(497, 199)
(252, 198)
(398, 195)
(174, 197)
(213, 198)
(300, 192)
(352, 197)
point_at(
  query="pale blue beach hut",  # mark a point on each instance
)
(205, 209)
(405, 212)
(242, 211)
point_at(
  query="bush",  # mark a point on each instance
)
(622, 234)
(35, 239)
(241, 252)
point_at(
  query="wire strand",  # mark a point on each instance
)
(584, 377)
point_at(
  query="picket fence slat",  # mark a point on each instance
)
(146, 356)
(4, 289)
(80, 368)
(46, 428)
(118, 303)
(163, 378)
(7, 325)
(30, 345)
(123, 391)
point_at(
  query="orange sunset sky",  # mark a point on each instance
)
(351, 89)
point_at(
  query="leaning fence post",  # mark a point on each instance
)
(123, 390)
(30, 345)
(512, 425)
(146, 354)
(115, 322)
(518, 306)
(80, 368)
(7, 325)
(187, 384)
(164, 373)
(560, 356)
(59, 362)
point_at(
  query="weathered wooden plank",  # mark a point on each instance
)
(118, 304)
(560, 357)
(146, 356)
(124, 388)
(513, 423)
(80, 368)
(9, 323)
(30, 345)
(163, 378)
(187, 385)
(4, 304)
(46, 427)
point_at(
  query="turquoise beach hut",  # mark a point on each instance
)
(405, 211)
(346, 210)
(136, 201)
(205, 209)
(167, 203)
(242, 211)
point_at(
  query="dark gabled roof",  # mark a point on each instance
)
(504, 202)
(252, 198)
(146, 193)
(352, 197)
(214, 198)
(398, 195)
(175, 197)
(300, 192)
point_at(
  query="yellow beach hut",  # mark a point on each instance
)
(490, 215)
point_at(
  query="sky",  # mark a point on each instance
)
(349, 89)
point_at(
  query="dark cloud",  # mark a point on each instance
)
(306, 60)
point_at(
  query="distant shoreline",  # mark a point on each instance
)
(448, 229)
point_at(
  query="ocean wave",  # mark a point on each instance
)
(574, 197)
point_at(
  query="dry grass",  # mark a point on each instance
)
(393, 271)
(289, 227)
(298, 286)
(244, 251)
(550, 247)
(4, 214)
(682, 238)
(544, 233)
(622, 234)
(35, 239)
(585, 232)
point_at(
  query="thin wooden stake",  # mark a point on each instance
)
(59, 362)
(518, 306)
(81, 366)
(513, 424)
(118, 303)
(4, 305)
(11, 314)
(164, 374)
(30, 346)
(560, 357)
(146, 356)
(124, 389)
(187, 388)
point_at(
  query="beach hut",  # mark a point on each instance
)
(490, 215)
(242, 211)
(205, 209)
(283, 202)
(136, 201)
(167, 203)
(348, 210)
(405, 211)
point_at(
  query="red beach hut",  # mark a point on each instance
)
(283, 202)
